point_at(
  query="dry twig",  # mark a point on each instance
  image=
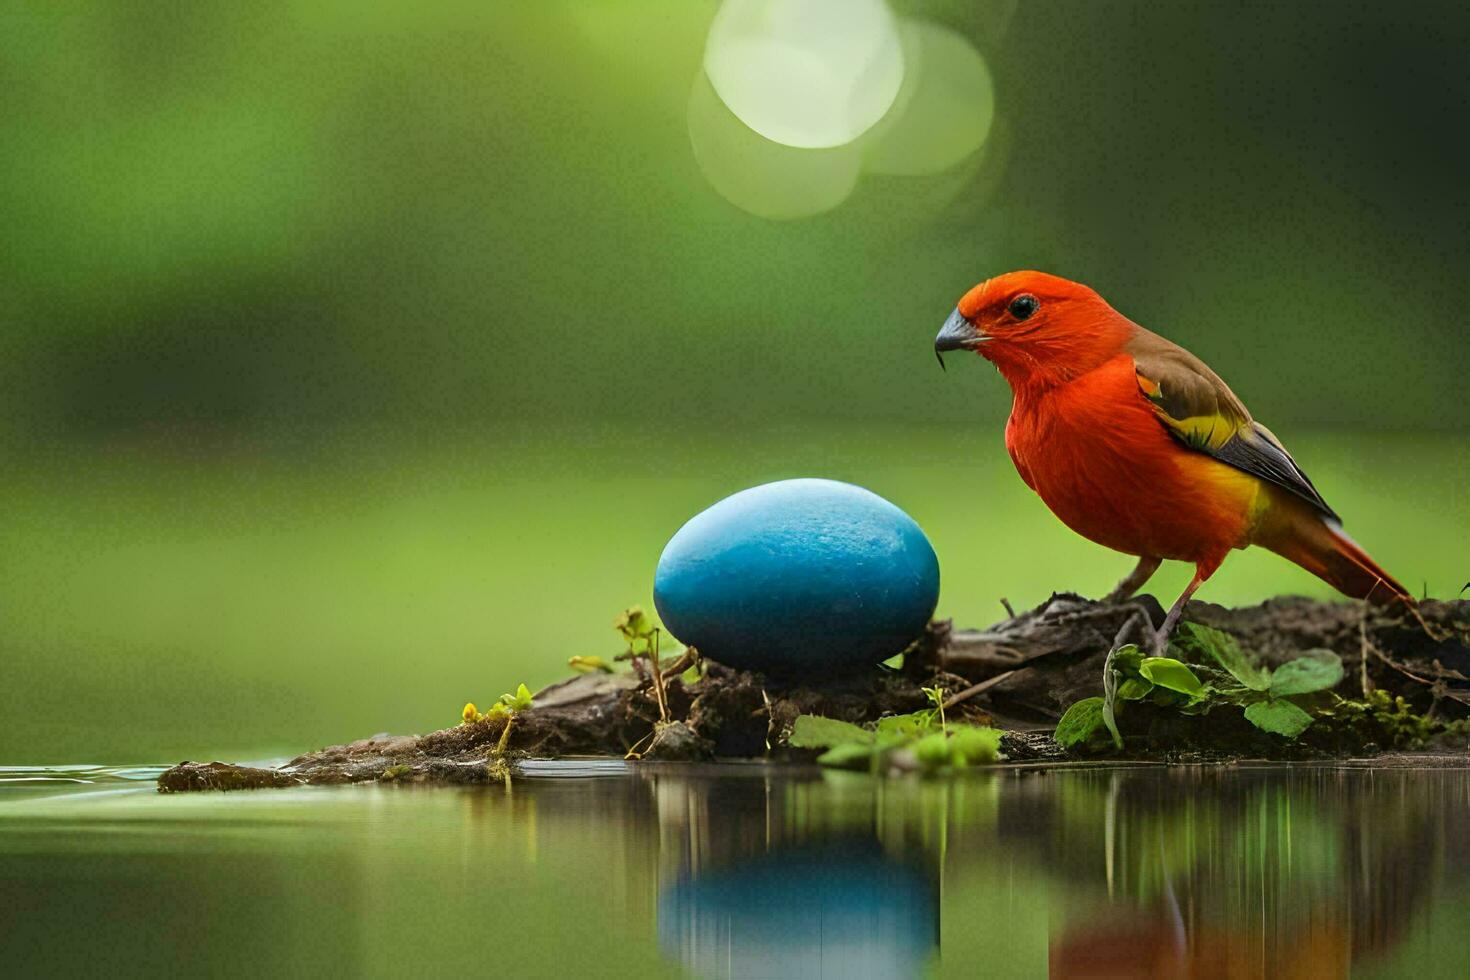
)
(975, 689)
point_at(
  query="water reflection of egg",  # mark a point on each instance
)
(817, 912)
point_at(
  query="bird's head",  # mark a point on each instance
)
(1036, 328)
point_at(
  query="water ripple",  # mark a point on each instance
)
(86, 775)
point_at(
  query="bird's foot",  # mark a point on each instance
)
(1132, 582)
(1166, 631)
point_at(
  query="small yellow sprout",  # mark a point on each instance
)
(587, 665)
(507, 705)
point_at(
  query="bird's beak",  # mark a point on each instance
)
(957, 333)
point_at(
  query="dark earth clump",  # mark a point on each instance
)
(191, 776)
(1028, 669)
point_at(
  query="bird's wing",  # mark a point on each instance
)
(1203, 413)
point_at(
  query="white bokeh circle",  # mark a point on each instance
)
(806, 73)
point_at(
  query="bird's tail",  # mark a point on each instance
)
(1319, 545)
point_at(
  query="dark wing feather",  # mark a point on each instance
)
(1257, 451)
(1201, 411)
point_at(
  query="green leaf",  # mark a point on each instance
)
(1315, 670)
(1203, 644)
(848, 755)
(817, 732)
(1080, 723)
(519, 701)
(636, 628)
(1135, 689)
(1169, 673)
(973, 745)
(906, 725)
(1127, 658)
(1278, 717)
(933, 751)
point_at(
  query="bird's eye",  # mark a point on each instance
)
(1023, 306)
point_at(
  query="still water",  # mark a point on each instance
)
(596, 869)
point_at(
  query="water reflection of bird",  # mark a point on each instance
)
(1136, 444)
(1144, 946)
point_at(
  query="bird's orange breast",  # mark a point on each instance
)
(1095, 452)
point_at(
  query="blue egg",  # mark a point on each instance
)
(798, 574)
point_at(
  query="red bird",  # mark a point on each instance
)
(1136, 444)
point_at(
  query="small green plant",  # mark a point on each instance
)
(635, 627)
(936, 698)
(1209, 669)
(921, 741)
(520, 700)
(1266, 695)
(642, 634)
(504, 706)
(507, 706)
(1389, 721)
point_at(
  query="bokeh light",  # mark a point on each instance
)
(799, 98)
(758, 175)
(806, 73)
(944, 111)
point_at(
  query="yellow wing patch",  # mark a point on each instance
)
(1201, 411)
(1206, 432)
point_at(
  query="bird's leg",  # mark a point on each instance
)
(1202, 572)
(1134, 580)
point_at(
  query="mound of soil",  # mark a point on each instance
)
(1020, 674)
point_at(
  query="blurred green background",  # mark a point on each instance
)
(358, 362)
